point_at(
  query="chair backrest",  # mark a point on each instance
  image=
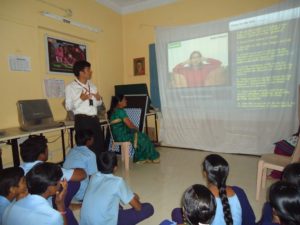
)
(296, 153)
(134, 114)
(138, 101)
(109, 128)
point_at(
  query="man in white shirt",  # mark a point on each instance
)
(82, 97)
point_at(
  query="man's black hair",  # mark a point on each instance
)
(79, 66)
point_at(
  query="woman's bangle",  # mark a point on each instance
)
(63, 212)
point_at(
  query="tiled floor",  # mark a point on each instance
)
(163, 184)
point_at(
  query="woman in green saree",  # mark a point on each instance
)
(124, 130)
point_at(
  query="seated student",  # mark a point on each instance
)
(233, 206)
(199, 206)
(43, 181)
(105, 192)
(290, 174)
(285, 202)
(12, 187)
(82, 157)
(35, 150)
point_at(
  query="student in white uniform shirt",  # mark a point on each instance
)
(82, 157)
(34, 150)
(105, 192)
(43, 181)
(82, 98)
(12, 187)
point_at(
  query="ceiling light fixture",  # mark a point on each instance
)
(69, 21)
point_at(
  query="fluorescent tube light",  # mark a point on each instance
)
(69, 21)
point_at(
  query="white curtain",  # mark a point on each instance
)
(248, 100)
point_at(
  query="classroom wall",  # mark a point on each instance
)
(111, 52)
(23, 31)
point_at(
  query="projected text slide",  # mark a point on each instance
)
(263, 61)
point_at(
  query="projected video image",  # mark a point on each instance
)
(199, 62)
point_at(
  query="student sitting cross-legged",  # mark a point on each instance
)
(12, 187)
(34, 150)
(43, 181)
(105, 192)
(82, 157)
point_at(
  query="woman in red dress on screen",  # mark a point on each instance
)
(196, 69)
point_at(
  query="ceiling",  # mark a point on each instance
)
(130, 6)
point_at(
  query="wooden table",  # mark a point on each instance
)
(11, 136)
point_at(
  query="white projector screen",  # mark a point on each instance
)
(231, 85)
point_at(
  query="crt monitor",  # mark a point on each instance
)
(34, 111)
(133, 89)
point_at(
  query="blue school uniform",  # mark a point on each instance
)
(267, 215)
(248, 216)
(33, 210)
(4, 202)
(67, 173)
(81, 157)
(102, 199)
(235, 208)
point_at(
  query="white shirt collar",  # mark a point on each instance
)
(87, 83)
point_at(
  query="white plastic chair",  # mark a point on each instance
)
(273, 162)
(127, 149)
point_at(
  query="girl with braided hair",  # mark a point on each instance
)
(233, 207)
(229, 210)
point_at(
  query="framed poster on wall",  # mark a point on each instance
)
(61, 55)
(139, 66)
